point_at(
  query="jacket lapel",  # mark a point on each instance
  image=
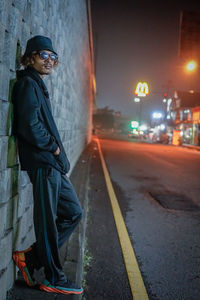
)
(45, 103)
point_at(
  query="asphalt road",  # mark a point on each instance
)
(158, 188)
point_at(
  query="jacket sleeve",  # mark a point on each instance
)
(29, 126)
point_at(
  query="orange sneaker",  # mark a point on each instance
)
(66, 288)
(27, 271)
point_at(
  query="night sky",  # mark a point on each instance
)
(138, 41)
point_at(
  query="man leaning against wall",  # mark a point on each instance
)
(56, 207)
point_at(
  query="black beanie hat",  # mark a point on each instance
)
(38, 43)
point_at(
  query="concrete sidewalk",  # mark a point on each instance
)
(72, 253)
(191, 147)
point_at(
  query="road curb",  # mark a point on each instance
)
(73, 260)
(191, 147)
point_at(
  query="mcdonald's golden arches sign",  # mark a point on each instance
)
(142, 89)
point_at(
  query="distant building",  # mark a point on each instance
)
(184, 115)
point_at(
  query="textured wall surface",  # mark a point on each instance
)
(70, 88)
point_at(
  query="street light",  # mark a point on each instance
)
(162, 126)
(157, 118)
(157, 115)
(191, 66)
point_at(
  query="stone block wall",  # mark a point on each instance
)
(71, 92)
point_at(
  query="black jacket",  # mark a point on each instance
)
(34, 126)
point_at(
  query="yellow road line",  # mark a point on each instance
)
(135, 278)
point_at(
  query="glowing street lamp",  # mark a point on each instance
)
(162, 126)
(191, 66)
(157, 115)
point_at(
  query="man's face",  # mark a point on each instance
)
(42, 65)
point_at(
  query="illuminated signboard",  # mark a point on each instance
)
(142, 89)
(137, 99)
(134, 124)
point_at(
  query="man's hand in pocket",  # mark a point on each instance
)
(57, 152)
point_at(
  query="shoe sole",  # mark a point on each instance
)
(58, 291)
(23, 269)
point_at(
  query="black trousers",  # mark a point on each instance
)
(57, 211)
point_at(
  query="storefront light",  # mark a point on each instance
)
(143, 127)
(136, 99)
(157, 115)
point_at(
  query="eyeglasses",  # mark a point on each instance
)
(44, 56)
